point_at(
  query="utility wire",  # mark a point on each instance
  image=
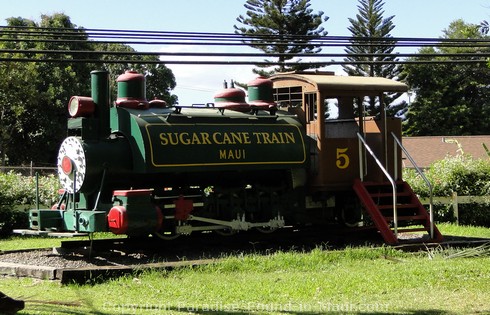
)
(225, 42)
(224, 38)
(253, 55)
(43, 31)
(15, 36)
(240, 62)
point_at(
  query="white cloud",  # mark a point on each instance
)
(198, 83)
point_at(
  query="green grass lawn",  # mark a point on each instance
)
(360, 280)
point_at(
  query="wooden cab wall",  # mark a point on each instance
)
(335, 157)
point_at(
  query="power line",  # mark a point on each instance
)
(253, 55)
(242, 62)
(67, 37)
(60, 34)
(43, 31)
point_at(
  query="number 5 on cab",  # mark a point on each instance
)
(342, 161)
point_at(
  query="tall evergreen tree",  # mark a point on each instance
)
(371, 37)
(281, 27)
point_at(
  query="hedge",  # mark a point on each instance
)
(461, 174)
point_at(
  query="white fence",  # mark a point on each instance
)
(455, 200)
(28, 170)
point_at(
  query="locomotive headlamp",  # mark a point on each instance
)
(66, 165)
(71, 164)
(81, 106)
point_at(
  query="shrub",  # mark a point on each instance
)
(18, 194)
(463, 175)
(12, 219)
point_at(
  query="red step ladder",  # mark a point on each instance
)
(410, 217)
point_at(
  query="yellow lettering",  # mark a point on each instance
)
(342, 161)
(232, 154)
(246, 138)
(222, 154)
(275, 139)
(205, 138)
(266, 138)
(289, 137)
(175, 139)
(215, 138)
(163, 139)
(236, 137)
(195, 138)
(239, 154)
(184, 138)
(257, 137)
(226, 139)
(169, 138)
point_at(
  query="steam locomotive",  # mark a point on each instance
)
(140, 167)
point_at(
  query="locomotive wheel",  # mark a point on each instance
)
(266, 229)
(349, 222)
(349, 212)
(166, 236)
(226, 232)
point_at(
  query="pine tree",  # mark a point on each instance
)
(281, 27)
(371, 37)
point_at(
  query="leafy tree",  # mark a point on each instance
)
(281, 27)
(56, 83)
(45, 87)
(33, 96)
(16, 96)
(18, 92)
(451, 98)
(371, 37)
(159, 79)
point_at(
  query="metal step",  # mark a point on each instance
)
(398, 206)
(389, 194)
(410, 211)
(406, 230)
(408, 218)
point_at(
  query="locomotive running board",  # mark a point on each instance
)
(377, 197)
(48, 233)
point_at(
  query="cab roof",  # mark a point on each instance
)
(331, 84)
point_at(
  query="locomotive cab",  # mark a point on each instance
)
(335, 154)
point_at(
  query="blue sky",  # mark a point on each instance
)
(197, 84)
